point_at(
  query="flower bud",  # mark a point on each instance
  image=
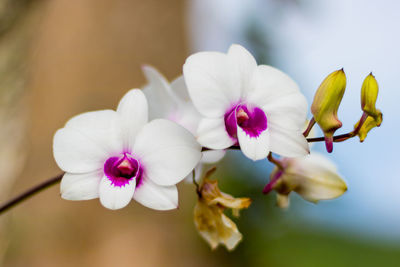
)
(369, 94)
(372, 117)
(313, 177)
(367, 126)
(213, 225)
(326, 103)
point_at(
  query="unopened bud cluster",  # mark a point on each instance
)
(327, 100)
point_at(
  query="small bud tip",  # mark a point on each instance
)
(329, 144)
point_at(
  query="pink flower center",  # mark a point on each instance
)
(120, 170)
(252, 120)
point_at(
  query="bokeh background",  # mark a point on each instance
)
(59, 58)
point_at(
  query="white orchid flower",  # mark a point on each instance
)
(259, 108)
(171, 101)
(119, 155)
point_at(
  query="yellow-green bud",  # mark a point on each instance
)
(326, 104)
(369, 94)
(367, 126)
(372, 117)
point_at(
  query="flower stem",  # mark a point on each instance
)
(309, 127)
(360, 124)
(337, 138)
(231, 147)
(275, 161)
(343, 137)
(30, 192)
(270, 186)
(195, 183)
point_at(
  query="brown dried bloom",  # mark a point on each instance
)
(213, 225)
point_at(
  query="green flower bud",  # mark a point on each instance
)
(372, 117)
(367, 126)
(369, 94)
(326, 103)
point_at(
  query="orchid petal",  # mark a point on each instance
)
(287, 143)
(320, 179)
(158, 93)
(76, 153)
(255, 148)
(167, 151)
(198, 171)
(101, 127)
(179, 87)
(212, 156)
(235, 236)
(289, 112)
(212, 86)
(188, 117)
(268, 85)
(243, 63)
(134, 115)
(212, 134)
(115, 197)
(316, 161)
(155, 196)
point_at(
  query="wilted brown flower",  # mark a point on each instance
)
(213, 225)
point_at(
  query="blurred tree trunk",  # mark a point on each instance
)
(16, 20)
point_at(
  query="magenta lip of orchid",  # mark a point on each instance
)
(252, 120)
(121, 170)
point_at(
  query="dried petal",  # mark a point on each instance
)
(213, 225)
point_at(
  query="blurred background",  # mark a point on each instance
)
(60, 58)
